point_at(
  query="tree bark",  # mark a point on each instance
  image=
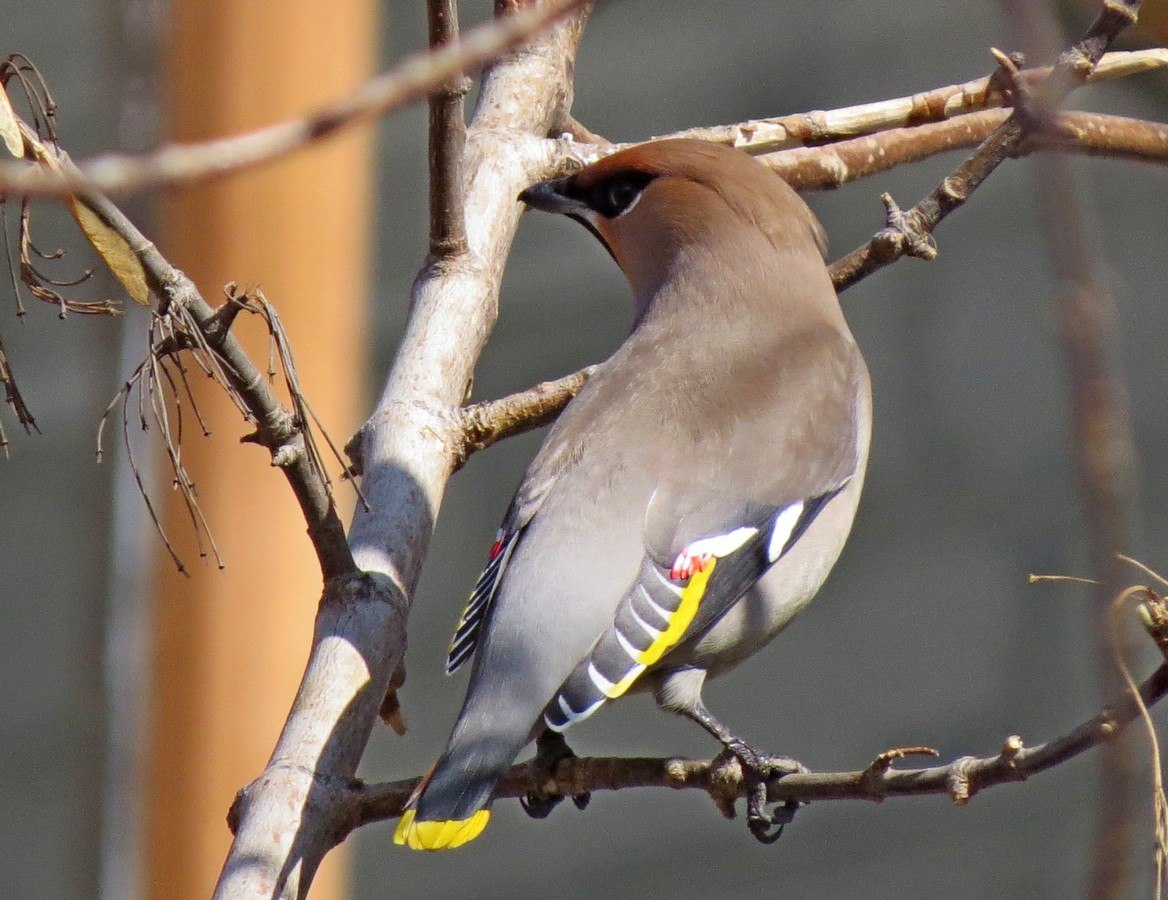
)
(287, 819)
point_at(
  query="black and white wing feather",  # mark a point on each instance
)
(462, 645)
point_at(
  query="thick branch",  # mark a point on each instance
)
(415, 77)
(411, 443)
(959, 780)
(447, 141)
(291, 815)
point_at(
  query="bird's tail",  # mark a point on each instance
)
(452, 806)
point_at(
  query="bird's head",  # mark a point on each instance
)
(652, 202)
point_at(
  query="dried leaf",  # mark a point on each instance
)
(123, 262)
(9, 129)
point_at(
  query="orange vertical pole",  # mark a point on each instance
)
(230, 645)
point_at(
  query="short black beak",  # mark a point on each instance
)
(550, 197)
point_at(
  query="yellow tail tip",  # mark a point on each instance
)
(439, 835)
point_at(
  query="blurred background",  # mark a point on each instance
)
(139, 700)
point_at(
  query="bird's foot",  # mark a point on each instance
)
(550, 748)
(757, 770)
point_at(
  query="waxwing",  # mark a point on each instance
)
(689, 502)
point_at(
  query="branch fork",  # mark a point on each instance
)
(906, 234)
(873, 775)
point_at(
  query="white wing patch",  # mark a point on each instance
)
(723, 544)
(782, 530)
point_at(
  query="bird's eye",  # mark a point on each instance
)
(618, 196)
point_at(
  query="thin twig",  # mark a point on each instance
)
(487, 423)
(1091, 134)
(812, 129)
(447, 141)
(414, 77)
(13, 398)
(910, 233)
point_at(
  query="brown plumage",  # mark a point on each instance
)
(690, 501)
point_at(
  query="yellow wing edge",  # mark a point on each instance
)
(691, 598)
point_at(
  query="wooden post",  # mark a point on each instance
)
(230, 644)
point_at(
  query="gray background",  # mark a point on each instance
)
(926, 633)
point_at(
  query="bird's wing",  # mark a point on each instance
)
(745, 495)
(466, 634)
(715, 472)
(526, 503)
(665, 606)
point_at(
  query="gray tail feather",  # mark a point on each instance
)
(464, 779)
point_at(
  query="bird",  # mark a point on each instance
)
(690, 500)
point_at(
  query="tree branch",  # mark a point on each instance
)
(487, 423)
(1092, 134)
(290, 816)
(276, 428)
(415, 77)
(960, 779)
(811, 129)
(447, 141)
(911, 233)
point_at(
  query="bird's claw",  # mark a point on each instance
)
(540, 807)
(768, 827)
(757, 770)
(550, 749)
